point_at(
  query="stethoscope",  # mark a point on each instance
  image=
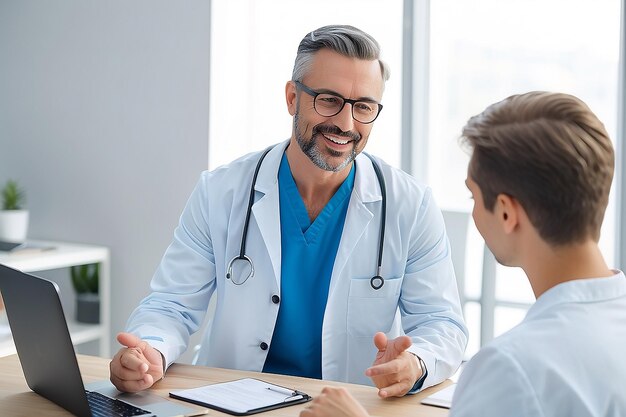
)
(376, 281)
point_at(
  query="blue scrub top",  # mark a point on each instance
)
(308, 256)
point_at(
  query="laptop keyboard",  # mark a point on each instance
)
(103, 406)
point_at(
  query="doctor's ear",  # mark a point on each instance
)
(507, 209)
(291, 97)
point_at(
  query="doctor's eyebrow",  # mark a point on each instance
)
(334, 93)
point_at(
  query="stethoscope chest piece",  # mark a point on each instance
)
(377, 282)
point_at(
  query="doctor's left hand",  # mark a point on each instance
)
(395, 370)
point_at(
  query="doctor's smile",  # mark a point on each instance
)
(336, 137)
(336, 140)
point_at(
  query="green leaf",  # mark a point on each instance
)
(13, 197)
(85, 278)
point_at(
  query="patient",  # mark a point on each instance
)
(540, 173)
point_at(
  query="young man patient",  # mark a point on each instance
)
(540, 173)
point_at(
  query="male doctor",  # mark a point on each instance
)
(308, 216)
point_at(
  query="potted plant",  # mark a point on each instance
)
(85, 280)
(13, 216)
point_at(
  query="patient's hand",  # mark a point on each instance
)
(136, 366)
(334, 402)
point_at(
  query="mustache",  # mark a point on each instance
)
(334, 130)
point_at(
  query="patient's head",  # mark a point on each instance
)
(549, 152)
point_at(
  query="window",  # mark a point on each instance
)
(483, 51)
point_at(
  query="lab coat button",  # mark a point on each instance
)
(263, 346)
(275, 299)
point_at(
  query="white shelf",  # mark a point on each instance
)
(62, 255)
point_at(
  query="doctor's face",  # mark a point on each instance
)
(332, 142)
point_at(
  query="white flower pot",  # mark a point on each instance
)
(13, 225)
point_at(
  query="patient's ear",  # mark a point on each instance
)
(507, 209)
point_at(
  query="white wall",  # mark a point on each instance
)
(104, 121)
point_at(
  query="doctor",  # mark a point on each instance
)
(324, 263)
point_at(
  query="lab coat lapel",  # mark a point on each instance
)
(366, 191)
(265, 210)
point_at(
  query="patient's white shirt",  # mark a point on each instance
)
(566, 358)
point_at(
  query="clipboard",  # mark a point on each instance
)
(242, 397)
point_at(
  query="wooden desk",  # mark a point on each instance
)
(16, 399)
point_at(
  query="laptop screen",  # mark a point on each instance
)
(42, 339)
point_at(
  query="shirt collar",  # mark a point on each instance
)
(581, 291)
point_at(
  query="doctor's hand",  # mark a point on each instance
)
(334, 402)
(395, 370)
(136, 366)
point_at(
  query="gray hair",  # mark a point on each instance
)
(343, 39)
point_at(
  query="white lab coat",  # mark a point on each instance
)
(419, 296)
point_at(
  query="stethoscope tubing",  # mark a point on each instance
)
(376, 281)
(244, 237)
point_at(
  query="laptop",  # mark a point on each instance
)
(48, 360)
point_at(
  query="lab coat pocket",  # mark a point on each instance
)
(370, 310)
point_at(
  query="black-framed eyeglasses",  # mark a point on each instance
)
(329, 104)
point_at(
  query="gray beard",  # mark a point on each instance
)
(311, 150)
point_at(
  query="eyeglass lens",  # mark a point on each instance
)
(328, 105)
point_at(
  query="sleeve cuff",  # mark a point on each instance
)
(420, 382)
(430, 362)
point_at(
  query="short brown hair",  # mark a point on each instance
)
(552, 154)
